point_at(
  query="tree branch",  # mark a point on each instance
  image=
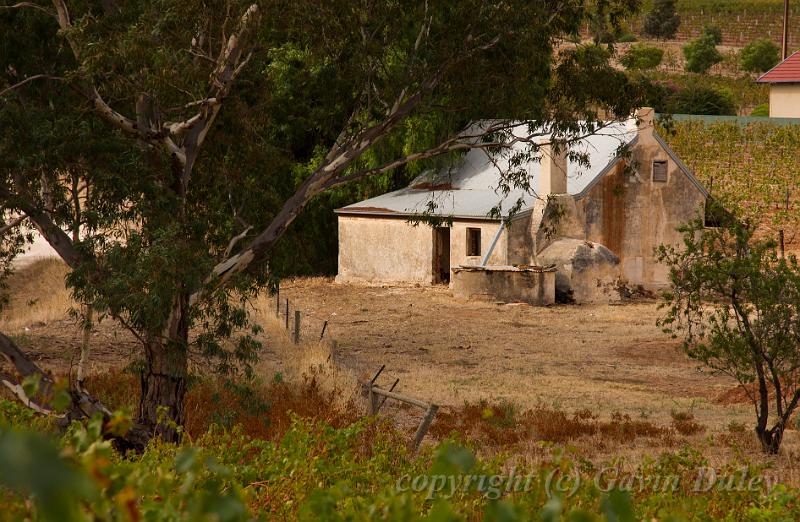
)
(28, 80)
(57, 238)
(31, 5)
(14, 223)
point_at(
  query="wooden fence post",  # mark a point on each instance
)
(296, 326)
(384, 399)
(324, 326)
(287, 314)
(424, 425)
(278, 301)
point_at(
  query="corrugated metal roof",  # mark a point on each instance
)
(788, 71)
(470, 190)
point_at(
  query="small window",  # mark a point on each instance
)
(660, 171)
(473, 241)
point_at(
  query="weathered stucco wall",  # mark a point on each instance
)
(784, 100)
(626, 211)
(377, 249)
(458, 243)
(505, 283)
(586, 272)
(631, 214)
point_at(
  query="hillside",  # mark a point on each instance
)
(741, 21)
(750, 166)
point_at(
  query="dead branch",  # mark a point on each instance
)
(82, 405)
(236, 239)
(30, 5)
(28, 80)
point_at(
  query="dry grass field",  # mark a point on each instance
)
(603, 379)
(604, 358)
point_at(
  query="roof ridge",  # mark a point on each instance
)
(763, 77)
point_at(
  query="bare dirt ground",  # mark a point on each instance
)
(605, 358)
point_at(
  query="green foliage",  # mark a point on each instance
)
(359, 473)
(761, 110)
(31, 463)
(642, 57)
(696, 98)
(605, 18)
(743, 91)
(627, 38)
(736, 305)
(714, 32)
(749, 168)
(662, 21)
(760, 55)
(702, 54)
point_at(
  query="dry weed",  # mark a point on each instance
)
(500, 425)
(685, 424)
(310, 360)
(263, 410)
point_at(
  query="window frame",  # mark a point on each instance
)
(473, 239)
(665, 163)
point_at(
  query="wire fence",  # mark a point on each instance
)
(299, 326)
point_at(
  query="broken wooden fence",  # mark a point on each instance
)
(378, 396)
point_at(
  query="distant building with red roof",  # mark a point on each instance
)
(784, 89)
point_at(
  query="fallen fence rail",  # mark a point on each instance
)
(378, 396)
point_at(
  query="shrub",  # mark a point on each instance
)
(627, 38)
(714, 32)
(700, 99)
(760, 55)
(658, 93)
(685, 423)
(701, 54)
(642, 57)
(662, 21)
(761, 110)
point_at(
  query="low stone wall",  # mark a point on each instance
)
(532, 284)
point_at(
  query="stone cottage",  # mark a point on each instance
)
(597, 224)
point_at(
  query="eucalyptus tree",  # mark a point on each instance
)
(204, 129)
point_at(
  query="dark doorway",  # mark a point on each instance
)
(441, 255)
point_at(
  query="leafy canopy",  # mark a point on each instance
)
(702, 54)
(736, 305)
(662, 21)
(760, 55)
(642, 57)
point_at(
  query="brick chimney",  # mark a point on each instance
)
(645, 120)
(553, 179)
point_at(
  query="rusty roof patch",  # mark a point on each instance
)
(433, 186)
(367, 210)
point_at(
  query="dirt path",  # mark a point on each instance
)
(605, 358)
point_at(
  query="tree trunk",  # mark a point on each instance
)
(770, 438)
(164, 378)
(83, 362)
